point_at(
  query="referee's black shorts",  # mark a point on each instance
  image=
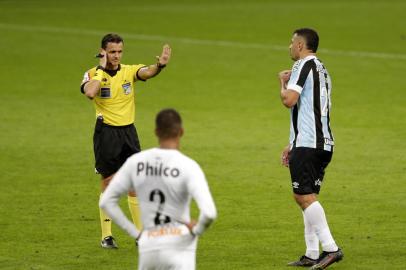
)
(113, 145)
(307, 167)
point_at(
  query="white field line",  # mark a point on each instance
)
(207, 42)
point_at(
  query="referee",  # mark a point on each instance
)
(111, 86)
(306, 90)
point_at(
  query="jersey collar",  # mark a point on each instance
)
(113, 73)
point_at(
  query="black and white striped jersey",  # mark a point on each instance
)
(310, 117)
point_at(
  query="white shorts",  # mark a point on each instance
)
(167, 260)
(167, 247)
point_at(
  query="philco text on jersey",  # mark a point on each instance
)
(159, 169)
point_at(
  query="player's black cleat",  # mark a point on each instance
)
(327, 258)
(108, 242)
(303, 261)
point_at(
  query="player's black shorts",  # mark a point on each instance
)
(307, 167)
(113, 145)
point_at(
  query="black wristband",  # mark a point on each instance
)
(160, 66)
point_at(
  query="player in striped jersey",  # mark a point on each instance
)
(306, 90)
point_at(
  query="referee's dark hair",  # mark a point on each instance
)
(168, 124)
(311, 37)
(111, 37)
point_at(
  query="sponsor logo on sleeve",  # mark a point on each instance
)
(296, 65)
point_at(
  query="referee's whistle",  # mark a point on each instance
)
(99, 55)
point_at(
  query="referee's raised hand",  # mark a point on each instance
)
(165, 55)
(103, 58)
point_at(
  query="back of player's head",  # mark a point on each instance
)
(311, 37)
(168, 124)
(111, 37)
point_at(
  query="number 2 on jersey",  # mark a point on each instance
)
(159, 218)
(325, 102)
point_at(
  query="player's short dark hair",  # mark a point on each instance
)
(168, 124)
(111, 37)
(311, 37)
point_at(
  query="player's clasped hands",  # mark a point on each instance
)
(284, 75)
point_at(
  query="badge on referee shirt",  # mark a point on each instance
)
(127, 88)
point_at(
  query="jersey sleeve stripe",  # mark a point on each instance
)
(136, 74)
(304, 72)
(295, 87)
(82, 87)
(317, 106)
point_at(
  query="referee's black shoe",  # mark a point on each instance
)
(108, 242)
(327, 258)
(303, 261)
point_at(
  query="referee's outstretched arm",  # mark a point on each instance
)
(153, 70)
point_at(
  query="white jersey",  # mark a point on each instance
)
(165, 181)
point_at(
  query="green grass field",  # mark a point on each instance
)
(222, 78)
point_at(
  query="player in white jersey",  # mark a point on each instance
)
(165, 181)
(306, 90)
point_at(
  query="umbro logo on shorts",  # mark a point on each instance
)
(317, 182)
(295, 185)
